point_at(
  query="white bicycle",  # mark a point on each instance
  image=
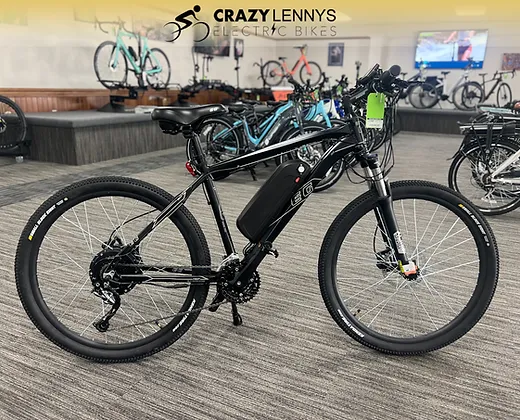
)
(435, 89)
(486, 169)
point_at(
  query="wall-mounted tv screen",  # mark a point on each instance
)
(217, 44)
(451, 49)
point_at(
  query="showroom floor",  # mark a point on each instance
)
(289, 360)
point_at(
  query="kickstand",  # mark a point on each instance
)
(253, 174)
(237, 319)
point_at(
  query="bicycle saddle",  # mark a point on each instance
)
(238, 107)
(300, 47)
(187, 115)
(261, 109)
(282, 58)
(482, 74)
(445, 72)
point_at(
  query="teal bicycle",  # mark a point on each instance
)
(112, 59)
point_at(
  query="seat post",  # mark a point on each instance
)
(193, 137)
(211, 193)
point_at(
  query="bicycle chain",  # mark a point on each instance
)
(156, 320)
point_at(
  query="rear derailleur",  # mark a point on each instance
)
(106, 281)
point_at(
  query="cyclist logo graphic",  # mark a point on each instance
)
(183, 22)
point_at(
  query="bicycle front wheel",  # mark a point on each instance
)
(157, 69)
(504, 95)
(13, 124)
(311, 73)
(455, 252)
(66, 248)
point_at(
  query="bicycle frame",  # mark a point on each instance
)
(302, 59)
(345, 145)
(495, 79)
(143, 51)
(269, 126)
(462, 78)
(511, 159)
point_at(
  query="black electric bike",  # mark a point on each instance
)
(387, 264)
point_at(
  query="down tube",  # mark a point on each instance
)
(315, 175)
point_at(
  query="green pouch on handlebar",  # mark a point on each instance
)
(375, 110)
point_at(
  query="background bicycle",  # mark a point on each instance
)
(13, 128)
(436, 89)
(112, 59)
(475, 93)
(273, 71)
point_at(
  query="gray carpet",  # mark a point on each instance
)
(289, 360)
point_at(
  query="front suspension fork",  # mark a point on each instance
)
(385, 214)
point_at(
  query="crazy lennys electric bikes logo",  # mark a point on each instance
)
(260, 22)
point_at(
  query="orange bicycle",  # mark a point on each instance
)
(273, 71)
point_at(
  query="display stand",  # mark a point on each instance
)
(358, 66)
(261, 65)
(206, 59)
(237, 68)
(117, 102)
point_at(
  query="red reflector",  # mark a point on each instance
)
(297, 179)
(190, 168)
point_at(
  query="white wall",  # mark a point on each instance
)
(35, 58)
(502, 38)
(355, 50)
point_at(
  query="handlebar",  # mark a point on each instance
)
(502, 72)
(388, 77)
(376, 81)
(369, 76)
(120, 23)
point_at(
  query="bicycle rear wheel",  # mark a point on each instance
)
(456, 255)
(220, 141)
(272, 73)
(13, 125)
(311, 153)
(61, 255)
(110, 73)
(469, 175)
(471, 95)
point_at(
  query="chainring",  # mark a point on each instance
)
(241, 294)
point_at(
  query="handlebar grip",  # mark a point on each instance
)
(390, 75)
(368, 77)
